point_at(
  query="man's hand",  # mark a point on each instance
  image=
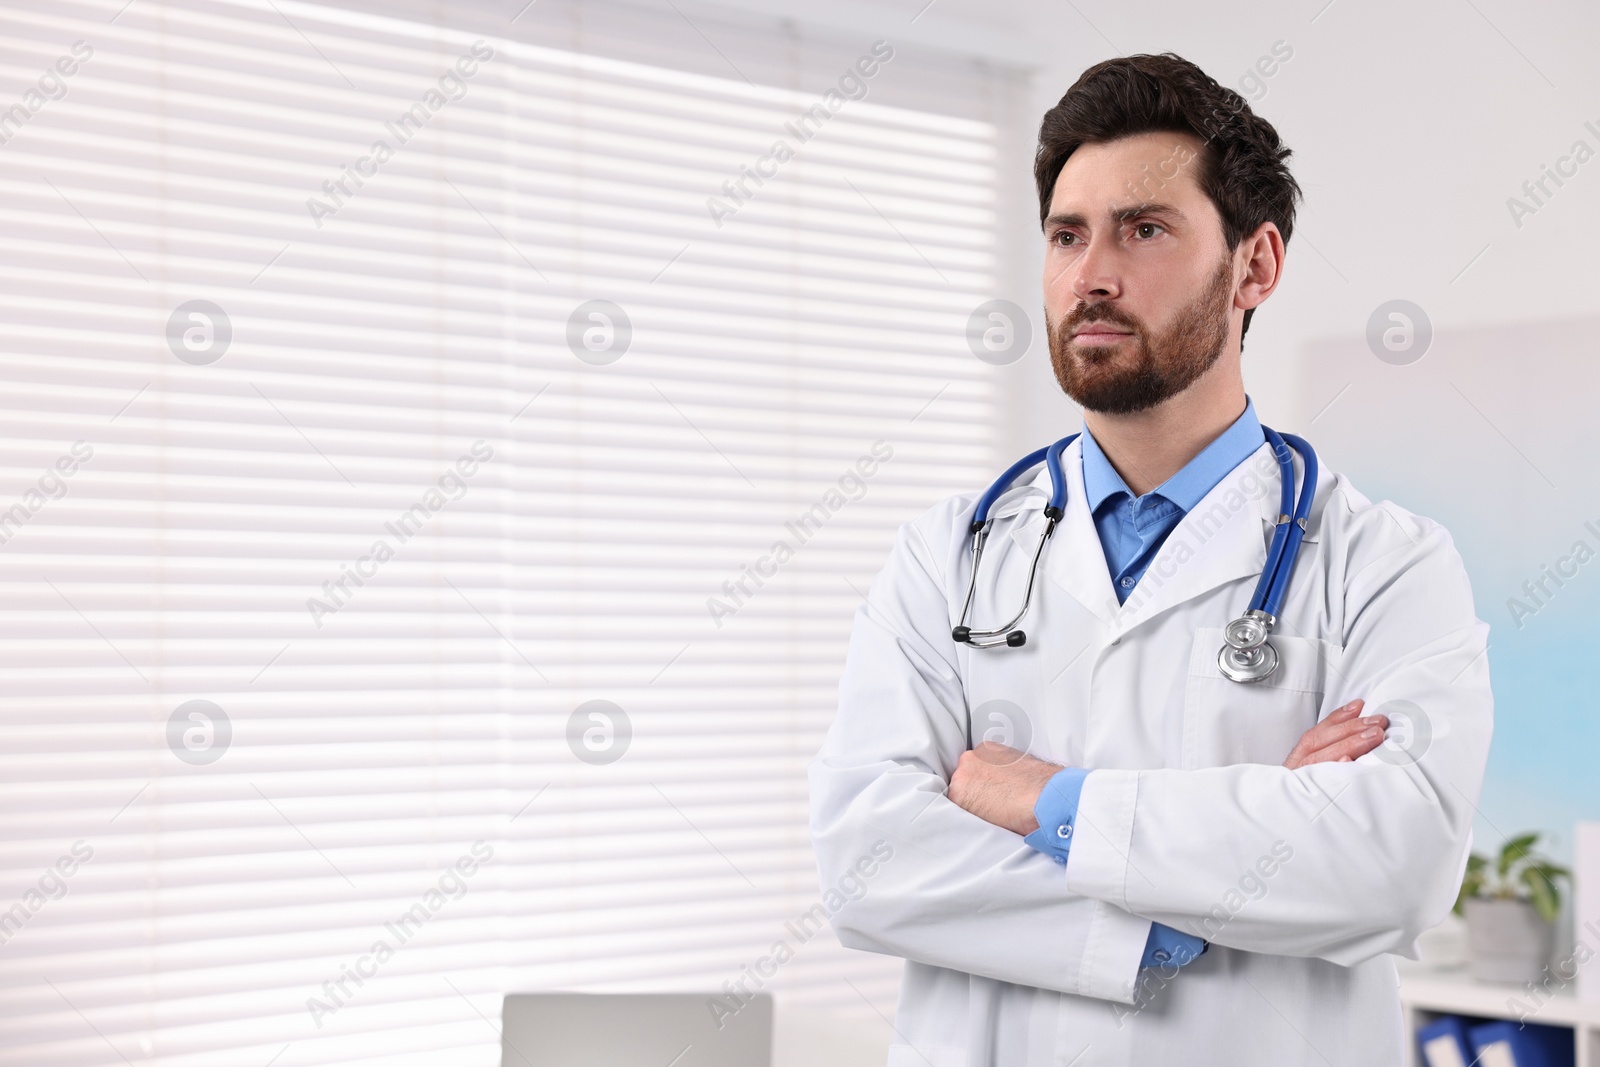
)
(1001, 785)
(1339, 738)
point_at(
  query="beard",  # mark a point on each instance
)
(1142, 371)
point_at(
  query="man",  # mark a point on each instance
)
(1140, 861)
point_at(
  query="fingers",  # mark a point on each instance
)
(1349, 749)
(1320, 735)
(1367, 726)
(1344, 735)
(1346, 713)
(1366, 735)
(994, 753)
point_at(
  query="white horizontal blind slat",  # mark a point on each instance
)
(182, 551)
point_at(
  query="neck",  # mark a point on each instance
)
(1148, 447)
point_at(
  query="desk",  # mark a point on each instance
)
(813, 1037)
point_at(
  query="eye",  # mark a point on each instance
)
(1148, 226)
(1058, 237)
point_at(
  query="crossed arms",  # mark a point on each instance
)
(1377, 844)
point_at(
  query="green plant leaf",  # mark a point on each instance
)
(1542, 892)
(1513, 850)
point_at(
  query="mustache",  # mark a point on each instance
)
(1085, 314)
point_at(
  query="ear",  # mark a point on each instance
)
(1262, 254)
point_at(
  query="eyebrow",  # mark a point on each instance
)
(1120, 214)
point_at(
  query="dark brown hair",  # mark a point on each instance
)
(1242, 166)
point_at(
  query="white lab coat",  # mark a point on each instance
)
(1308, 879)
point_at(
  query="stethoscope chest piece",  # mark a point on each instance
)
(1247, 665)
(1247, 656)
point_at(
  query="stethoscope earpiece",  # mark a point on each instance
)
(1008, 635)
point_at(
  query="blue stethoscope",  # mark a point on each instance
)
(1246, 656)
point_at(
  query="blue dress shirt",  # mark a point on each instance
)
(1132, 529)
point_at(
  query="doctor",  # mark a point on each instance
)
(1140, 861)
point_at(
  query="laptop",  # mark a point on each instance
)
(634, 1030)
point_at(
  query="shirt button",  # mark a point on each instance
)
(1064, 831)
(1061, 859)
(1127, 582)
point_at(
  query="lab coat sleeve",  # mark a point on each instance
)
(957, 892)
(1341, 861)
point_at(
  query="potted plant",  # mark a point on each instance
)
(1510, 906)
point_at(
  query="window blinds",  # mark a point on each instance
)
(443, 450)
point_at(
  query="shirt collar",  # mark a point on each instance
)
(1197, 478)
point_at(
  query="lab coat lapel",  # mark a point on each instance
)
(1222, 538)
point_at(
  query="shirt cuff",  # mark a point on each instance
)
(1168, 946)
(1103, 832)
(1057, 811)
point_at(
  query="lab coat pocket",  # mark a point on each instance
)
(1228, 722)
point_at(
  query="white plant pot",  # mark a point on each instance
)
(1507, 940)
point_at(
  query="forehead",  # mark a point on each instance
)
(1158, 165)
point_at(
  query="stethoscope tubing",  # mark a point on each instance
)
(1297, 526)
(1291, 526)
(1051, 456)
(1267, 599)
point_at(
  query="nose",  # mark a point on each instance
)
(1094, 276)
